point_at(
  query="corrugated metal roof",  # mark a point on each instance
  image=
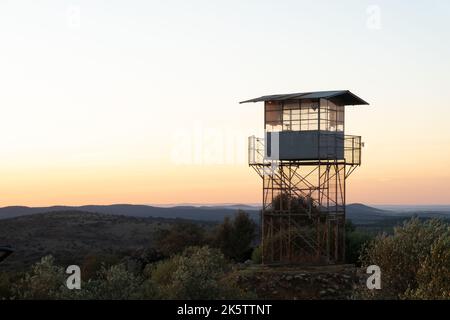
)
(341, 97)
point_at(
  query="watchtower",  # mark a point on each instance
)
(304, 161)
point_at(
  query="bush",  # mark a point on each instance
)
(162, 273)
(433, 276)
(48, 281)
(414, 262)
(7, 280)
(257, 255)
(44, 281)
(234, 238)
(198, 273)
(114, 283)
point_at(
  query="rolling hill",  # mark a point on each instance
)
(358, 213)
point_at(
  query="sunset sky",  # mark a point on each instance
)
(137, 101)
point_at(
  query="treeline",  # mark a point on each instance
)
(235, 237)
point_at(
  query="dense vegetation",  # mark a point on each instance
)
(415, 261)
(192, 262)
(199, 261)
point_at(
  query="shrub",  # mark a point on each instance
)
(163, 271)
(257, 255)
(198, 273)
(433, 276)
(234, 238)
(414, 262)
(7, 280)
(44, 281)
(114, 283)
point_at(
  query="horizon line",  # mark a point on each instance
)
(213, 204)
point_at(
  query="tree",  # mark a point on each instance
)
(234, 238)
(354, 242)
(178, 237)
(414, 262)
(294, 203)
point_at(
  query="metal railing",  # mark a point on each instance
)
(255, 150)
(351, 155)
(352, 149)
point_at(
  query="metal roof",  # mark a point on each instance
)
(340, 97)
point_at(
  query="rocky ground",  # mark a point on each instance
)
(315, 282)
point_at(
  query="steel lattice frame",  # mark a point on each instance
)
(303, 214)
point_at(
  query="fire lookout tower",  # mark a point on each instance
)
(304, 160)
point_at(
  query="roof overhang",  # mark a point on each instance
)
(339, 97)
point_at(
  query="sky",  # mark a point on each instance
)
(107, 102)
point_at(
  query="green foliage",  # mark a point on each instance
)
(198, 273)
(224, 239)
(7, 280)
(294, 203)
(93, 263)
(114, 283)
(257, 255)
(354, 242)
(163, 271)
(234, 237)
(178, 237)
(44, 281)
(414, 261)
(433, 276)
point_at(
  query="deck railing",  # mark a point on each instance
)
(352, 150)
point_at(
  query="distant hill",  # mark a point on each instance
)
(203, 213)
(358, 213)
(362, 214)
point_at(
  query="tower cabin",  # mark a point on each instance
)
(307, 126)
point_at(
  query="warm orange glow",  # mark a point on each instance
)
(141, 105)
